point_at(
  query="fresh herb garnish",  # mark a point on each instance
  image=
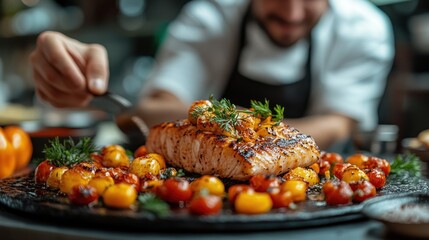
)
(279, 113)
(151, 203)
(225, 113)
(406, 164)
(69, 153)
(261, 110)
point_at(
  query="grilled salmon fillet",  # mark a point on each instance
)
(196, 146)
(217, 139)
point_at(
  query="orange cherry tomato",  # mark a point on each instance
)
(280, 199)
(7, 156)
(22, 145)
(332, 157)
(337, 193)
(115, 158)
(324, 166)
(376, 177)
(261, 182)
(142, 166)
(205, 205)
(353, 174)
(234, 190)
(212, 184)
(298, 189)
(120, 195)
(83, 195)
(101, 183)
(362, 190)
(303, 174)
(41, 174)
(253, 202)
(315, 167)
(358, 159)
(109, 148)
(175, 190)
(140, 152)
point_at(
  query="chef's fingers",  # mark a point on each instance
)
(53, 47)
(97, 69)
(57, 97)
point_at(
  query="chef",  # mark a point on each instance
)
(325, 61)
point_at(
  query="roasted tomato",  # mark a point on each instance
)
(109, 148)
(375, 162)
(115, 158)
(253, 202)
(129, 178)
(261, 183)
(297, 188)
(159, 158)
(120, 195)
(358, 159)
(353, 174)
(150, 185)
(362, 190)
(337, 193)
(205, 205)
(101, 183)
(280, 199)
(55, 176)
(83, 195)
(212, 184)
(71, 178)
(7, 156)
(22, 145)
(324, 166)
(141, 166)
(376, 177)
(315, 167)
(42, 171)
(306, 175)
(339, 168)
(332, 157)
(234, 190)
(140, 152)
(175, 190)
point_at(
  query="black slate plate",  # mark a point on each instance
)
(23, 195)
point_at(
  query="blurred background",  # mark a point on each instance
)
(133, 30)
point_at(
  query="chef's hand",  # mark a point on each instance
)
(67, 73)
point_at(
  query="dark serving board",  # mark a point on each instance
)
(21, 194)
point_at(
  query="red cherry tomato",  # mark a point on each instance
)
(42, 171)
(206, 205)
(261, 183)
(375, 162)
(324, 166)
(281, 199)
(175, 190)
(376, 177)
(337, 193)
(332, 157)
(339, 169)
(236, 189)
(83, 195)
(362, 190)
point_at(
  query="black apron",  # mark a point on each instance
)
(240, 90)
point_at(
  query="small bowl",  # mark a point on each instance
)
(407, 214)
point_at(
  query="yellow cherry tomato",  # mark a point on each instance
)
(109, 148)
(101, 183)
(55, 176)
(71, 178)
(306, 175)
(120, 195)
(353, 174)
(115, 158)
(159, 158)
(212, 184)
(142, 166)
(253, 203)
(297, 188)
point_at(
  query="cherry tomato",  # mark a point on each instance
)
(101, 183)
(234, 190)
(7, 156)
(129, 178)
(140, 152)
(315, 167)
(159, 158)
(212, 184)
(362, 190)
(280, 199)
(297, 188)
(261, 183)
(339, 169)
(253, 202)
(109, 148)
(144, 165)
(83, 195)
(150, 185)
(358, 159)
(42, 171)
(115, 158)
(306, 175)
(337, 193)
(376, 177)
(55, 176)
(120, 195)
(73, 177)
(332, 157)
(324, 166)
(353, 174)
(22, 145)
(205, 205)
(175, 190)
(375, 162)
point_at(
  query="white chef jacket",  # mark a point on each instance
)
(351, 57)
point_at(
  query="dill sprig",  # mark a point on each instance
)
(69, 153)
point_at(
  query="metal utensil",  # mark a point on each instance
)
(126, 118)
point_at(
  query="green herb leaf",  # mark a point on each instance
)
(69, 153)
(225, 113)
(261, 110)
(149, 202)
(279, 113)
(406, 164)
